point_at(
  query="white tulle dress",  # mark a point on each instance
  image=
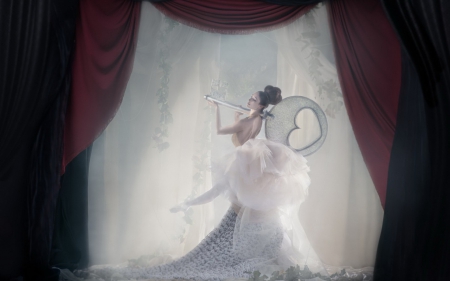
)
(265, 182)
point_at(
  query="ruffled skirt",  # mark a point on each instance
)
(263, 175)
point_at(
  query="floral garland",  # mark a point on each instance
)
(295, 273)
(292, 273)
(161, 132)
(202, 156)
(201, 161)
(329, 90)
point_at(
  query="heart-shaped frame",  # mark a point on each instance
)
(281, 123)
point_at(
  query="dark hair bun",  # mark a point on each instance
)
(274, 94)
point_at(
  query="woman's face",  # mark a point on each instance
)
(253, 102)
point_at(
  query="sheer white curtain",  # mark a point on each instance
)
(342, 216)
(133, 184)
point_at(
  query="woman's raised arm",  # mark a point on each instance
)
(236, 127)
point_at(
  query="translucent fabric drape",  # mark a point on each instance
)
(133, 184)
(342, 199)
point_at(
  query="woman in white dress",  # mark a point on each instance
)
(265, 182)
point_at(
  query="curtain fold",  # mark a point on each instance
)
(368, 60)
(409, 177)
(414, 242)
(34, 82)
(70, 247)
(232, 16)
(105, 43)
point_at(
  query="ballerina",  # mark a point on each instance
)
(265, 182)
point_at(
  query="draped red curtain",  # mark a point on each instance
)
(368, 60)
(106, 36)
(231, 16)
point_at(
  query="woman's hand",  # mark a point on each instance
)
(179, 208)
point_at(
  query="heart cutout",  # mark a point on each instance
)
(309, 129)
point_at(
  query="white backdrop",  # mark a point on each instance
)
(132, 184)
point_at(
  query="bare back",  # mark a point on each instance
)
(249, 129)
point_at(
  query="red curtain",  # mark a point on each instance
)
(231, 16)
(368, 60)
(106, 36)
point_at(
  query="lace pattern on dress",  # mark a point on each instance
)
(214, 258)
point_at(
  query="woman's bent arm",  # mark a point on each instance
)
(236, 127)
(206, 197)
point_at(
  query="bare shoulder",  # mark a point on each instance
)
(249, 123)
(257, 120)
(257, 123)
(252, 120)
